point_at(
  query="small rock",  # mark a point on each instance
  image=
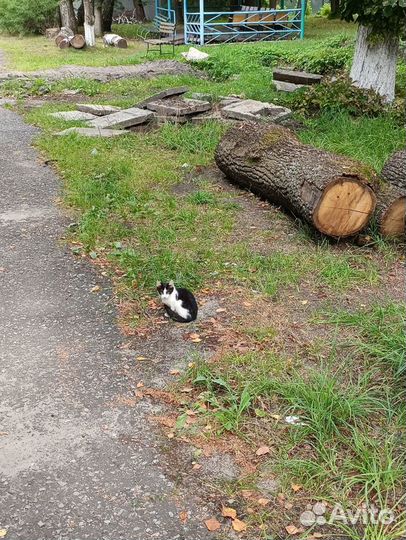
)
(194, 55)
(268, 486)
(249, 109)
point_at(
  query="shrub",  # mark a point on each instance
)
(329, 56)
(341, 95)
(27, 16)
(217, 70)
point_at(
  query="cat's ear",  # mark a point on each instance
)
(171, 283)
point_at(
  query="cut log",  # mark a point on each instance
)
(77, 41)
(391, 205)
(332, 192)
(115, 40)
(394, 170)
(66, 38)
(62, 42)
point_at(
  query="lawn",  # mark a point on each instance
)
(306, 327)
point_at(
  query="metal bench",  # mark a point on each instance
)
(166, 32)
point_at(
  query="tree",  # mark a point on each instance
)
(27, 16)
(381, 24)
(335, 8)
(89, 23)
(140, 11)
(68, 18)
(107, 15)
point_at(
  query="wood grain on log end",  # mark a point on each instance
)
(393, 219)
(344, 208)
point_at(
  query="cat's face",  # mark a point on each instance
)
(165, 289)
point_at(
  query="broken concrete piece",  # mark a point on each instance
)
(169, 92)
(229, 101)
(180, 107)
(93, 132)
(97, 110)
(287, 86)
(202, 97)
(249, 109)
(122, 119)
(72, 115)
(194, 55)
(171, 119)
(296, 77)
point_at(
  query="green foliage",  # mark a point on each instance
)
(341, 95)
(328, 56)
(384, 17)
(27, 16)
(217, 69)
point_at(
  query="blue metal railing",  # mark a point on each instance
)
(167, 14)
(259, 25)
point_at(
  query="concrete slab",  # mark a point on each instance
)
(97, 110)
(70, 116)
(249, 109)
(180, 107)
(169, 92)
(287, 86)
(296, 77)
(122, 119)
(92, 132)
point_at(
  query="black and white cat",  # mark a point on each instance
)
(180, 304)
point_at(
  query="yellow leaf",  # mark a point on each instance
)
(212, 524)
(183, 516)
(141, 358)
(3, 533)
(239, 525)
(262, 450)
(263, 502)
(175, 372)
(296, 487)
(140, 384)
(228, 512)
(96, 288)
(291, 529)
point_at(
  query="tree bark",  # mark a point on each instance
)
(80, 15)
(68, 15)
(67, 38)
(374, 63)
(394, 170)
(391, 206)
(108, 9)
(89, 23)
(98, 19)
(331, 192)
(335, 9)
(140, 11)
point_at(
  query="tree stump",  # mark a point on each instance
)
(391, 205)
(332, 192)
(67, 38)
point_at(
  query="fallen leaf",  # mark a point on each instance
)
(171, 435)
(196, 466)
(228, 512)
(194, 336)
(140, 358)
(247, 304)
(183, 516)
(196, 340)
(96, 288)
(315, 536)
(238, 525)
(288, 506)
(296, 487)
(212, 524)
(191, 365)
(246, 493)
(140, 384)
(186, 390)
(291, 529)
(262, 450)
(175, 372)
(3, 533)
(221, 310)
(304, 302)
(263, 502)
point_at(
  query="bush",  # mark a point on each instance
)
(329, 56)
(27, 16)
(341, 95)
(217, 70)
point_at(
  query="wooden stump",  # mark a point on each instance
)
(77, 41)
(391, 206)
(332, 192)
(115, 40)
(67, 38)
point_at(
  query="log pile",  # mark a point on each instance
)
(66, 38)
(333, 193)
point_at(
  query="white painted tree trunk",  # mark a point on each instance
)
(89, 23)
(374, 63)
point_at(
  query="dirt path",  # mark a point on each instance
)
(79, 457)
(102, 74)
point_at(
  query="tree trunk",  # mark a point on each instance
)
(140, 11)
(374, 63)
(89, 23)
(108, 9)
(68, 15)
(391, 206)
(335, 9)
(67, 38)
(80, 15)
(331, 192)
(98, 19)
(115, 41)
